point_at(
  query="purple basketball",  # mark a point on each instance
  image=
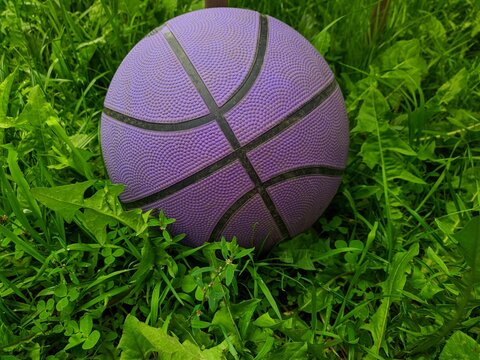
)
(229, 121)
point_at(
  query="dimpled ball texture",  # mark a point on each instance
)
(231, 123)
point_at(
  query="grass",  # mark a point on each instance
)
(391, 270)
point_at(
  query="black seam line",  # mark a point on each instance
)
(200, 175)
(184, 125)
(282, 227)
(301, 172)
(255, 69)
(190, 70)
(243, 89)
(289, 121)
(232, 210)
(201, 88)
(228, 132)
(297, 173)
(294, 117)
(225, 127)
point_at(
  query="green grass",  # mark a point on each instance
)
(391, 270)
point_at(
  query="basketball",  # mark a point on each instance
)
(231, 123)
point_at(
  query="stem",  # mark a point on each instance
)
(378, 19)
(215, 3)
(451, 133)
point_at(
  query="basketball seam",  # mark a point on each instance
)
(250, 79)
(247, 165)
(237, 96)
(293, 174)
(303, 171)
(289, 121)
(184, 125)
(294, 117)
(225, 127)
(231, 211)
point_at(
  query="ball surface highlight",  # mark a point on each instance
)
(229, 121)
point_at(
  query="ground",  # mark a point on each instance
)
(391, 270)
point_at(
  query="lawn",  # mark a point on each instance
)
(390, 271)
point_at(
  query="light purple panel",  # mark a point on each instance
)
(320, 139)
(300, 201)
(293, 71)
(152, 85)
(252, 224)
(148, 161)
(200, 206)
(221, 45)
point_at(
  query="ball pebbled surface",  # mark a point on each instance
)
(204, 202)
(233, 42)
(300, 201)
(189, 150)
(151, 85)
(153, 160)
(325, 130)
(293, 72)
(255, 223)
